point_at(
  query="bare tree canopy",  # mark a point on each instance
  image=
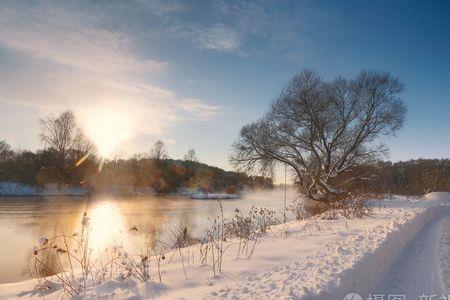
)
(63, 135)
(5, 151)
(323, 130)
(190, 155)
(159, 151)
(60, 133)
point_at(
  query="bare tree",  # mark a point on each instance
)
(5, 151)
(159, 151)
(191, 156)
(63, 135)
(86, 146)
(323, 130)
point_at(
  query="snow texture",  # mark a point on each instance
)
(403, 249)
(19, 189)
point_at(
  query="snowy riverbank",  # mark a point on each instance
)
(215, 196)
(14, 189)
(312, 259)
(19, 189)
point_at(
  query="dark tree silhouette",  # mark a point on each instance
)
(190, 155)
(63, 136)
(5, 151)
(322, 130)
(159, 151)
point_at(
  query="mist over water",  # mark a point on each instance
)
(24, 220)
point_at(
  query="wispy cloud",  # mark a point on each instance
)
(234, 26)
(219, 37)
(198, 108)
(51, 32)
(162, 8)
(73, 60)
(95, 55)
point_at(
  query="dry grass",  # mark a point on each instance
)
(212, 247)
(356, 205)
(248, 229)
(70, 259)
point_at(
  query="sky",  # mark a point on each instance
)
(192, 73)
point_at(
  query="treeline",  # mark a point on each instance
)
(169, 175)
(165, 175)
(69, 159)
(413, 177)
(43, 167)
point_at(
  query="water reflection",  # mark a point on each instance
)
(107, 226)
(24, 220)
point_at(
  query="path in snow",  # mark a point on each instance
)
(417, 271)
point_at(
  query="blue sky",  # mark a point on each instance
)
(193, 72)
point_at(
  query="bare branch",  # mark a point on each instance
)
(323, 129)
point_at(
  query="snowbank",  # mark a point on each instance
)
(214, 196)
(355, 264)
(372, 255)
(13, 189)
(19, 189)
(444, 254)
(313, 259)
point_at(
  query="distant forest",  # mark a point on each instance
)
(413, 177)
(165, 175)
(162, 174)
(69, 159)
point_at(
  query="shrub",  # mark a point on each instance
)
(249, 228)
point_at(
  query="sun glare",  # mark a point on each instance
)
(107, 129)
(107, 225)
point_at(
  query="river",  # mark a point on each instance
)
(23, 220)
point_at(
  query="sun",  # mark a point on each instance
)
(107, 129)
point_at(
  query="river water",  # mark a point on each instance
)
(23, 220)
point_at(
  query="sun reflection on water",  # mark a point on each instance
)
(107, 225)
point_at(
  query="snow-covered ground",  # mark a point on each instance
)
(403, 249)
(201, 195)
(8, 188)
